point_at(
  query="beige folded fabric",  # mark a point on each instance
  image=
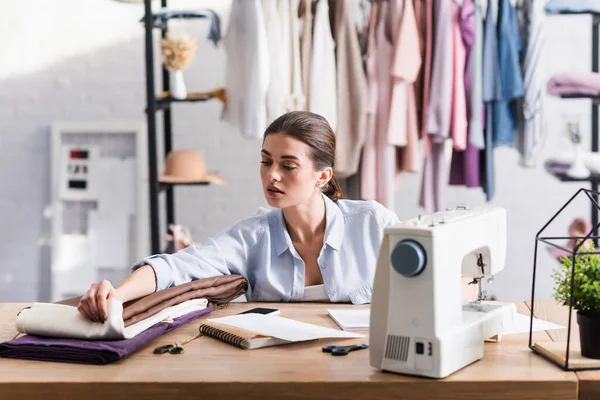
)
(59, 320)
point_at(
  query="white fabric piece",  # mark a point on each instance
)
(248, 71)
(530, 140)
(315, 293)
(296, 100)
(323, 74)
(279, 63)
(59, 320)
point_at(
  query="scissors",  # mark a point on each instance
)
(343, 350)
(176, 348)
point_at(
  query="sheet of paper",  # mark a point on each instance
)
(283, 328)
(109, 239)
(521, 325)
(351, 319)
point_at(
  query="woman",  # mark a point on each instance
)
(312, 246)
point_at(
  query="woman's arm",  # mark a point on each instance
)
(93, 304)
(226, 253)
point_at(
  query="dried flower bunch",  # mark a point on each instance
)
(177, 53)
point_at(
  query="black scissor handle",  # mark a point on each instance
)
(343, 350)
(163, 349)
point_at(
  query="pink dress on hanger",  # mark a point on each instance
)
(406, 66)
(379, 157)
(459, 125)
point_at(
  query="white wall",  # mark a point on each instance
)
(84, 61)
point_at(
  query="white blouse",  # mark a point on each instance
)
(315, 293)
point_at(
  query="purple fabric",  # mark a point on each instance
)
(586, 83)
(97, 352)
(464, 167)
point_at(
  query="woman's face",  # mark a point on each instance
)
(287, 172)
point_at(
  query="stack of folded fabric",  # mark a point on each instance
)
(57, 332)
(574, 83)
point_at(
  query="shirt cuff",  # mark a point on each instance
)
(162, 271)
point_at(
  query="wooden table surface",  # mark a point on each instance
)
(589, 381)
(210, 369)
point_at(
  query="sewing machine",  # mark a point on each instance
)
(419, 323)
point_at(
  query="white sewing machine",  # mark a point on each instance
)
(419, 324)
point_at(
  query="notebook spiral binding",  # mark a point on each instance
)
(223, 336)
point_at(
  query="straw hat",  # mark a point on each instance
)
(187, 166)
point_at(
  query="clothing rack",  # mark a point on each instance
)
(594, 180)
(155, 103)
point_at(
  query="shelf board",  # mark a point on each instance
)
(563, 177)
(594, 99)
(164, 99)
(559, 171)
(165, 185)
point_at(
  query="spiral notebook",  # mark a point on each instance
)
(253, 331)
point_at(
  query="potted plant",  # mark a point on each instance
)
(586, 295)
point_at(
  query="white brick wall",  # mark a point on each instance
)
(59, 67)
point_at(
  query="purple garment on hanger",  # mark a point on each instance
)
(464, 167)
(97, 352)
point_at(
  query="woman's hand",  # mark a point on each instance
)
(93, 304)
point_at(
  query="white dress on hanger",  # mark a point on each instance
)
(323, 76)
(247, 71)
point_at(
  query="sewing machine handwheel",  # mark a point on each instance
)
(408, 258)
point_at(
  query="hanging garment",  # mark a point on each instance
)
(464, 168)
(247, 72)
(531, 133)
(418, 6)
(296, 100)
(323, 83)
(475, 79)
(403, 129)
(368, 185)
(278, 63)
(351, 93)
(509, 50)
(386, 154)
(439, 108)
(427, 32)
(379, 158)
(491, 92)
(459, 100)
(440, 93)
(306, 40)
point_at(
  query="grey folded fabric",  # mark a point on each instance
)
(98, 352)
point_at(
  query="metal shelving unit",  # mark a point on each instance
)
(594, 180)
(161, 102)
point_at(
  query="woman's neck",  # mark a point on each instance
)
(306, 221)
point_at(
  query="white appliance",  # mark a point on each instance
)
(419, 324)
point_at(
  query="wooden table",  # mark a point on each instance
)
(210, 370)
(589, 381)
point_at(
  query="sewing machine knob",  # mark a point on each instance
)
(408, 258)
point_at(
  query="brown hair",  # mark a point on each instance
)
(315, 131)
